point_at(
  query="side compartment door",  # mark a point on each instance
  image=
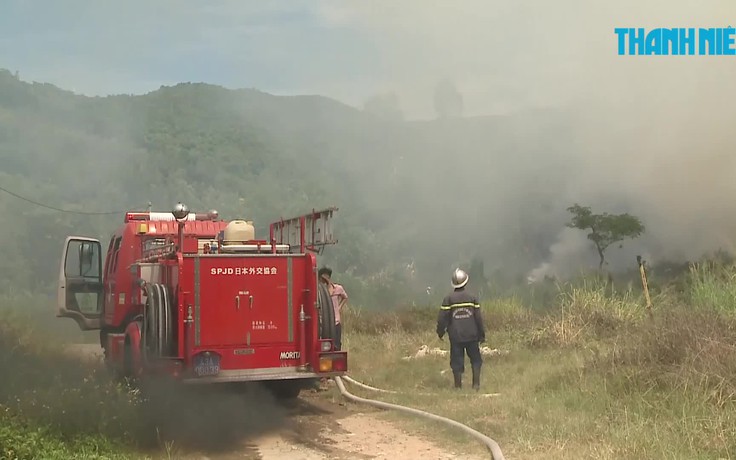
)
(80, 291)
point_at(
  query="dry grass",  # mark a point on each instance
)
(590, 376)
(587, 312)
(593, 376)
(54, 407)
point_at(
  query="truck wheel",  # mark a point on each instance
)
(131, 365)
(326, 313)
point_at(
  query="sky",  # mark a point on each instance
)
(501, 55)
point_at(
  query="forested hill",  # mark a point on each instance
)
(415, 198)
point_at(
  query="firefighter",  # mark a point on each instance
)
(461, 318)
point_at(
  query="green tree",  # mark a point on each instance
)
(605, 229)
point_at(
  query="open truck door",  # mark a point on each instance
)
(80, 291)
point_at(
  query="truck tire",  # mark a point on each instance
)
(132, 365)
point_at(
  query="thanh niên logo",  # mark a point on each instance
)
(679, 41)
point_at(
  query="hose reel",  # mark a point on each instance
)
(158, 322)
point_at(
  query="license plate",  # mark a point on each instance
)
(206, 364)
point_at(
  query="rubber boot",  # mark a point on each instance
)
(476, 378)
(458, 379)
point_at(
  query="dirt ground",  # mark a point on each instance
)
(314, 427)
(322, 430)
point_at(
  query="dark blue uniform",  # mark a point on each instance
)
(460, 317)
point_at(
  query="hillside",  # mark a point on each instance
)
(426, 195)
(416, 198)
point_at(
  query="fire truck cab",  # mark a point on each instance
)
(201, 300)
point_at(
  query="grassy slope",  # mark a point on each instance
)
(53, 407)
(593, 377)
(258, 156)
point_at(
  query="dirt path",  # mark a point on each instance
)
(348, 432)
(311, 428)
(319, 429)
(359, 436)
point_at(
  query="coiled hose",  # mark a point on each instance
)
(492, 445)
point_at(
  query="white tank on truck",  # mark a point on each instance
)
(239, 232)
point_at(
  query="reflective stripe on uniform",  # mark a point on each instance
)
(458, 305)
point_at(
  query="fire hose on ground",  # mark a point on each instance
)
(367, 387)
(492, 445)
(379, 390)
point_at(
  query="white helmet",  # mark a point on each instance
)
(459, 278)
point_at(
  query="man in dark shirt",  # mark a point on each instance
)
(461, 318)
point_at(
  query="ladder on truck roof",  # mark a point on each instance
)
(310, 232)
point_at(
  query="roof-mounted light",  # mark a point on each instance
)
(152, 216)
(131, 216)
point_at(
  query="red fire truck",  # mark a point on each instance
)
(201, 300)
